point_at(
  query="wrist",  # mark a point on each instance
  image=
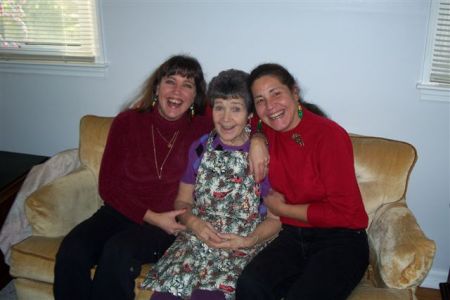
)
(150, 217)
(252, 240)
(190, 221)
(259, 136)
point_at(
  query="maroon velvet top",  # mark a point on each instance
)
(128, 179)
(319, 172)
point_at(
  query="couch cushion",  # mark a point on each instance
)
(33, 260)
(33, 263)
(54, 209)
(31, 289)
(93, 135)
(382, 169)
(366, 291)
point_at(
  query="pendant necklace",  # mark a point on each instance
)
(172, 140)
(170, 144)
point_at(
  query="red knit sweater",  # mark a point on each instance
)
(128, 180)
(321, 172)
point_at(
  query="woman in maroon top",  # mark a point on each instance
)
(322, 250)
(144, 158)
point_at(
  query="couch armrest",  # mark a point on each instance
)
(401, 253)
(54, 209)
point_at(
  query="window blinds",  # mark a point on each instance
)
(48, 30)
(440, 65)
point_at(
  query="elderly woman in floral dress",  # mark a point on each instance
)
(225, 222)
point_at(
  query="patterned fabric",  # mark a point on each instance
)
(227, 198)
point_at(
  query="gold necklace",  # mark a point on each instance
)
(159, 169)
(172, 140)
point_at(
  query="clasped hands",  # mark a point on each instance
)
(205, 232)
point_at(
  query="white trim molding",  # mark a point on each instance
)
(88, 70)
(432, 92)
(434, 278)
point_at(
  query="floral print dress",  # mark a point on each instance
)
(227, 198)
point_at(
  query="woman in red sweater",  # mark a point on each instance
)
(322, 251)
(144, 159)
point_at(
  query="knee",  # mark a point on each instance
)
(246, 285)
(72, 251)
(115, 250)
(118, 258)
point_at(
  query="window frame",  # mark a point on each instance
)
(92, 69)
(430, 90)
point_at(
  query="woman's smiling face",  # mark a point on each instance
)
(276, 104)
(230, 117)
(176, 94)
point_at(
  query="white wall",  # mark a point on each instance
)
(358, 59)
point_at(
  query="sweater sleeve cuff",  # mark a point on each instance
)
(314, 215)
(137, 215)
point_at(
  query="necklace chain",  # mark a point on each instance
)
(159, 169)
(172, 140)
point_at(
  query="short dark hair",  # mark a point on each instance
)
(286, 78)
(276, 70)
(176, 65)
(229, 84)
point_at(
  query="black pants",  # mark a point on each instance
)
(117, 246)
(303, 264)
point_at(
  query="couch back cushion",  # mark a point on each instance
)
(93, 135)
(382, 169)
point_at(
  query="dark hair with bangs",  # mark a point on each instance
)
(230, 84)
(183, 65)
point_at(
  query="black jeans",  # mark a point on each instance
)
(117, 246)
(306, 263)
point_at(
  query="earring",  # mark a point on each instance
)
(300, 112)
(296, 136)
(192, 110)
(155, 99)
(248, 128)
(259, 126)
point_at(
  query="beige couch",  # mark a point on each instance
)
(401, 254)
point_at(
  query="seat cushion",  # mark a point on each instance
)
(31, 289)
(33, 260)
(366, 291)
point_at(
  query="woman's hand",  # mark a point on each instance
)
(258, 157)
(234, 242)
(275, 202)
(166, 221)
(204, 231)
